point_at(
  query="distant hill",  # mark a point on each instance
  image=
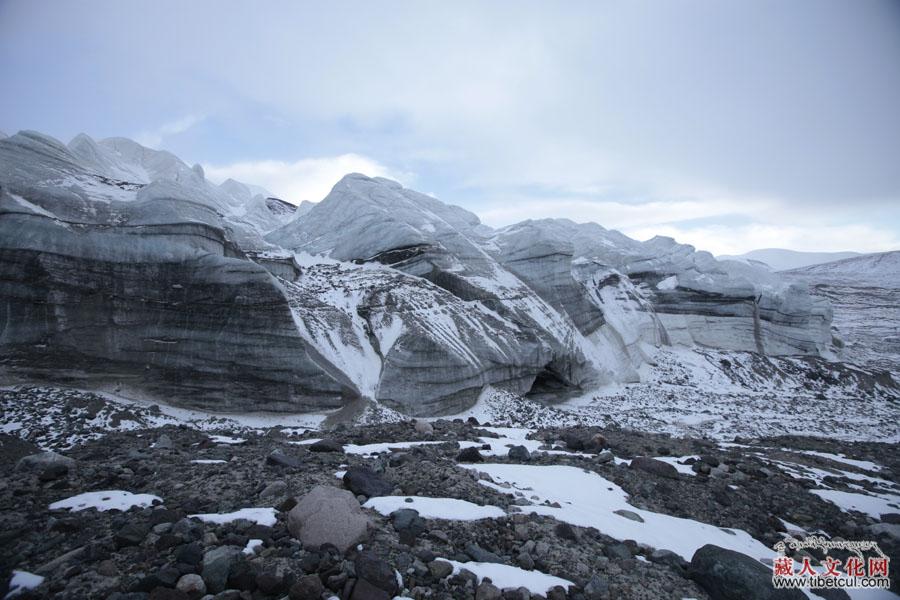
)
(780, 259)
(882, 269)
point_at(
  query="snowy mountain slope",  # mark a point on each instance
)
(881, 269)
(781, 259)
(375, 292)
(865, 294)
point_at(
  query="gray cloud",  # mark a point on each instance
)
(782, 103)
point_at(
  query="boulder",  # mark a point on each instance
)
(38, 463)
(654, 467)
(328, 515)
(728, 575)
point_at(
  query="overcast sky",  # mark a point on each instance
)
(727, 125)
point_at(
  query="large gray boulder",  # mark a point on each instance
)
(40, 462)
(728, 575)
(328, 515)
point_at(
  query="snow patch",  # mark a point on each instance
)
(106, 500)
(435, 508)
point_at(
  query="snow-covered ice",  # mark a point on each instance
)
(435, 508)
(23, 581)
(589, 500)
(106, 500)
(260, 516)
(504, 576)
(870, 504)
(252, 545)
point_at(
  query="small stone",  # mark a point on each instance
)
(633, 516)
(617, 551)
(278, 458)
(131, 534)
(440, 569)
(164, 442)
(275, 489)
(566, 532)
(487, 591)
(519, 453)
(308, 587)
(189, 554)
(604, 457)
(164, 593)
(192, 585)
(596, 588)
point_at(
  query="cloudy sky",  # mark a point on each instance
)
(727, 125)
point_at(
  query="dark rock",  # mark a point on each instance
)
(275, 489)
(269, 583)
(479, 554)
(655, 467)
(131, 534)
(217, 565)
(308, 587)
(363, 590)
(371, 568)
(469, 455)
(241, 575)
(597, 588)
(566, 532)
(189, 554)
(279, 459)
(366, 482)
(326, 445)
(192, 585)
(53, 472)
(617, 551)
(164, 593)
(728, 575)
(709, 459)
(36, 463)
(519, 453)
(487, 591)
(408, 524)
(440, 569)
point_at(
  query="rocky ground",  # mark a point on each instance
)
(310, 537)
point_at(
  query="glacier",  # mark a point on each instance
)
(121, 267)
